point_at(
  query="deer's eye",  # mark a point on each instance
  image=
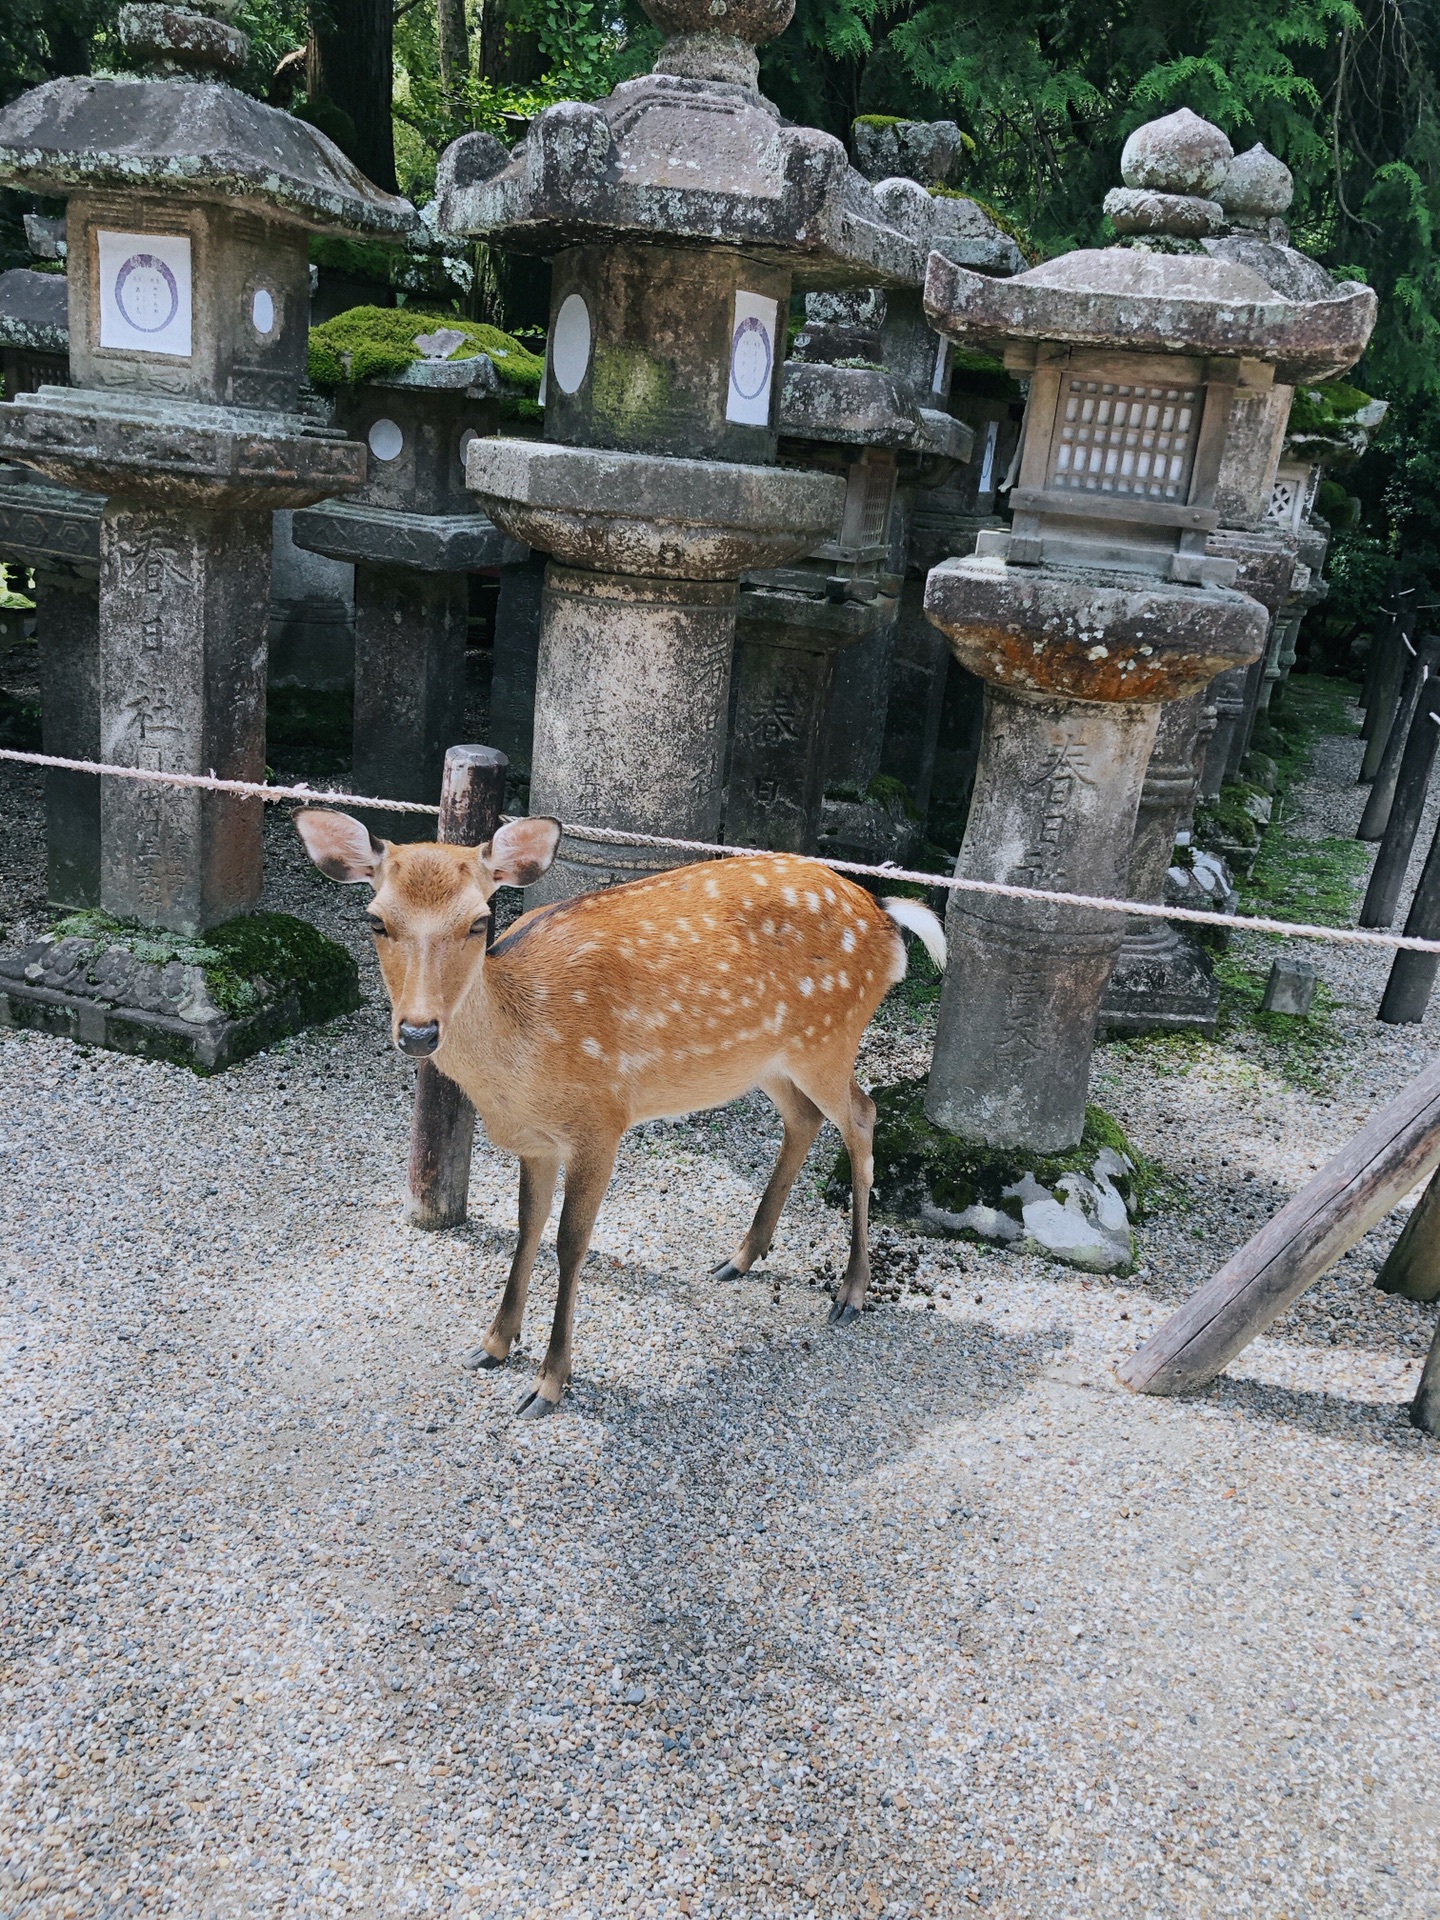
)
(477, 931)
(376, 925)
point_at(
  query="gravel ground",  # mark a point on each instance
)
(928, 1617)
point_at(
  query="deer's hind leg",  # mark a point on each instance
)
(853, 1112)
(802, 1120)
(537, 1190)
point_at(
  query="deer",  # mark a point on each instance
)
(662, 997)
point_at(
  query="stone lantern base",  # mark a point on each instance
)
(1161, 983)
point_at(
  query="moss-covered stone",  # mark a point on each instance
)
(630, 391)
(248, 963)
(916, 1162)
(371, 342)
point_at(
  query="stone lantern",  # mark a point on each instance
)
(680, 213)
(189, 212)
(414, 533)
(794, 623)
(1101, 605)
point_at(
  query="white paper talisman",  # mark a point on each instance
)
(145, 292)
(752, 360)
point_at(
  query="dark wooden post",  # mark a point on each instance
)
(1383, 643)
(1412, 975)
(1395, 1150)
(1425, 1407)
(442, 1129)
(1387, 878)
(1412, 1268)
(1389, 680)
(1376, 815)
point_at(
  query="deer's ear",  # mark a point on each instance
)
(521, 851)
(340, 846)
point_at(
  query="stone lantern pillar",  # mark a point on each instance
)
(795, 622)
(681, 213)
(414, 533)
(1101, 605)
(189, 209)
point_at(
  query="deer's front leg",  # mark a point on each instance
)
(586, 1177)
(537, 1190)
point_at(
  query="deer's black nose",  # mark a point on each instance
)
(419, 1040)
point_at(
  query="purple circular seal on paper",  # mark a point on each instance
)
(146, 293)
(750, 358)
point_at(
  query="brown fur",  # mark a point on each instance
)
(675, 993)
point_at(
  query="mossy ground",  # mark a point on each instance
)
(370, 342)
(915, 1161)
(249, 963)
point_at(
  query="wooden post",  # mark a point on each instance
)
(1387, 877)
(1388, 682)
(1412, 1268)
(1376, 814)
(442, 1129)
(1425, 1407)
(1383, 642)
(1394, 1151)
(1412, 975)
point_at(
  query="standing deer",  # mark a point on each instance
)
(675, 993)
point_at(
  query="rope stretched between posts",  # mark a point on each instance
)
(618, 836)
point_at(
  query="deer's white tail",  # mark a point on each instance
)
(922, 923)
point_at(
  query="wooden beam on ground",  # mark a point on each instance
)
(1393, 1152)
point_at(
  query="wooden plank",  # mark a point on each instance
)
(1391, 1154)
(442, 1125)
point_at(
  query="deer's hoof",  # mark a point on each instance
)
(481, 1361)
(536, 1407)
(842, 1313)
(727, 1270)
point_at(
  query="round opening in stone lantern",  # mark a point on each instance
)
(1099, 605)
(189, 211)
(680, 214)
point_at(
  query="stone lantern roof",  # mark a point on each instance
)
(138, 133)
(33, 311)
(1213, 273)
(690, 154)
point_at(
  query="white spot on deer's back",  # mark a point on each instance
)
(827, 983)
(790, 897)
(847, 940)
(814, 900)
(593, 1047)
(830, 896)
(766, 926)
(844, 979)
(807, 986)
(578, 998)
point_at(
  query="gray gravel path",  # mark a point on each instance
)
(929, 1617)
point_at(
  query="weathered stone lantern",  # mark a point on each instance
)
(1098, 607)
(680, 213)
(190, 207)
(859, 421)
(414, 533)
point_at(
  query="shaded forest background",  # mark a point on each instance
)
(1344, 91)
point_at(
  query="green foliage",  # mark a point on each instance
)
(369, 342)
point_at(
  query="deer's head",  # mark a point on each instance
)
(430, 912)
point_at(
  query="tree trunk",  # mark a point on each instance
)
(350, 62)
(508, 58)
(454, 42)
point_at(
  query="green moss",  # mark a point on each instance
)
(630, 391)
(880, 120)
(1321, 410)
(892, 794)
(248, 963)
(1225, 823)
(360, 259)
(371, 342)
(916, 1161)
(982, 375)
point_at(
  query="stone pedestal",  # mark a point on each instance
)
(516, 662)
(312, 615)
(631, 699)
(67, 610)
(56, 531)
(1161, 979)
(787, 648)
(184, 611)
